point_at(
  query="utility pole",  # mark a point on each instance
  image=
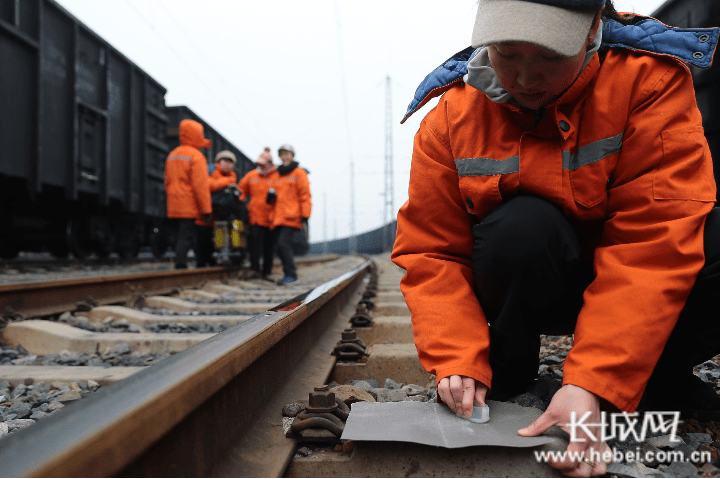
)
(325, 226)
(389, 209)
(352, 241)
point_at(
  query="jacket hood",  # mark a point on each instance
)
(192, 134)
(694, 46)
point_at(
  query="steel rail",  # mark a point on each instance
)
(55, 297)
(211, 410)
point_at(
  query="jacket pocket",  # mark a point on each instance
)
(685, 171)
(480, 193)
(589, 185)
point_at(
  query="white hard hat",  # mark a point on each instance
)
(286, 148)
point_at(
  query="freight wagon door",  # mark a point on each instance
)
(91, 150)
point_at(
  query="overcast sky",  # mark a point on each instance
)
(308, 73)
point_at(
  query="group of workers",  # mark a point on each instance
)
(278, 202)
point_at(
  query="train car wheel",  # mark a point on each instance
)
(158, 243)
(128, 246)
(58, 249)
(78, 238)
(8, 250)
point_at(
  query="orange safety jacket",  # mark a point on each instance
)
(186, 176)
(217, 181)
(256, 187)
(294, 202)
(623, 149)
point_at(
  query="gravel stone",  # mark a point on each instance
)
(529, 400)
(663, 442)
(390, 384)
(292, 410)
(682, 469)
(352, 394)
(4, 429)
(380, 394)
(21, 410)
(364, 385)
(416, 398)
(69, 396)
(54, 406)
(38, 415)
(304, 451)
(622, 470)
(413, 390)
(695, 439)
(19, 423)
(553, 359)
(396, 395)
(708, 470)
(122, 348)
(18, 391)
(24, 361)
(286, 423)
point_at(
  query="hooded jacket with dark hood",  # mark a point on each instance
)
(186, 174)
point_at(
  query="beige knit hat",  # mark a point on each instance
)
(226, 155)
(558, 25)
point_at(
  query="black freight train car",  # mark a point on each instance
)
(82, 138)
(695, 14)
(84, 134)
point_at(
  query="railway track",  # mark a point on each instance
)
(219, 407)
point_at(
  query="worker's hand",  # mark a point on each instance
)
(206, 218)
(460, 392)
(567, 400)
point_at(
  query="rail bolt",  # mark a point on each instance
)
(349, 335)
(321, 400)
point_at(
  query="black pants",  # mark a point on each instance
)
(530, 276)
(260, 239)
(283, 244)
(205, 246)
(184, 240)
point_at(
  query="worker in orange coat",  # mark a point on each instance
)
(222, 176)
(187, 187)
(291, 210)
(255, 188)
(563, 185)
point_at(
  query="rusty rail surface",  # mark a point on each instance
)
(211, 410)
(55, 297)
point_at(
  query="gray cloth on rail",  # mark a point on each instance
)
(436, 425)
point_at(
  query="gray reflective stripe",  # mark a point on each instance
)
(180, 157)
(586, 155)
(487, 166)
(592, 153)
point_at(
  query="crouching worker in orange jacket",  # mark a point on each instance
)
(222, 176)
(563, 185)
(256, 185)
(291, 210)
(186, 186)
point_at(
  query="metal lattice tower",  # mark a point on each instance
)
(389, 210)
(388, 215)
